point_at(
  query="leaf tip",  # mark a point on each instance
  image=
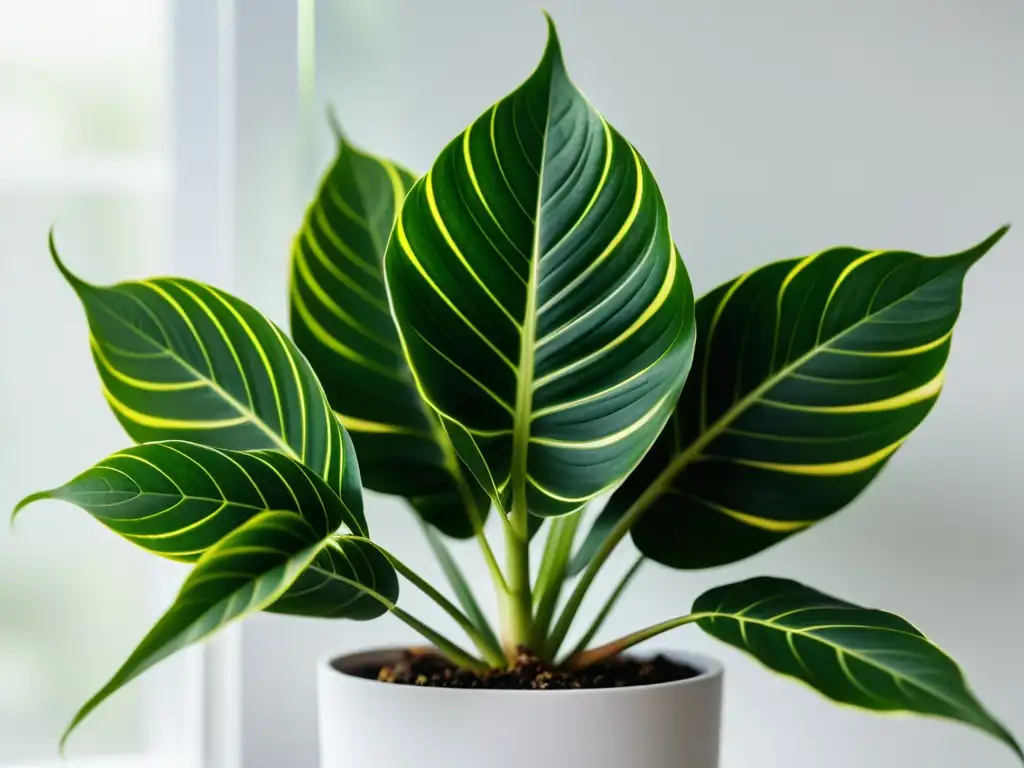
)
(73, 280)
(62, 746)
(25, 502)
(986, 245)
(554, 45)
(335, 124)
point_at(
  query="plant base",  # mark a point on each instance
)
(365, 723)
(425, 668)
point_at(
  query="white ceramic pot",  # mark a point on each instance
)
(368, 724)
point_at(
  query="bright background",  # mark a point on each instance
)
(84, 98)
(774, 129)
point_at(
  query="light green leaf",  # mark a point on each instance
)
(180, 360)
(541, 304)
(178, 499)
(809, 374)
(247, 571)
(854, 655)
(341, 322)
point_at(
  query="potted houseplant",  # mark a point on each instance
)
(514, 334)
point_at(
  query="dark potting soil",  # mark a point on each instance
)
(529, 673)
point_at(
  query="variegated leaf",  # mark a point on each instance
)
(809, 375)
(341, 321)
(251, 569)
(178, 499)
(860, 656)
(543, 309)
(180, 360)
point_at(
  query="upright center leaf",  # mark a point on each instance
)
(540, 302)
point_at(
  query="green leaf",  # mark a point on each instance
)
(178, 499)
(350, 579)
(180, 360)
(247, 571)
(809, 374)
(540, 301)
(341, 322)
(854, 655)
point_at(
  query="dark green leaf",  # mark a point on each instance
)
(809, 374)
(178, 499)
(540, 301)
(247, 571)
(349, 579)
(341, 321)
(180, 360)
(854, 655)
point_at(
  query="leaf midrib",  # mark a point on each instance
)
(841, 649)
(177, 497)
(693, 451)
(527, 348)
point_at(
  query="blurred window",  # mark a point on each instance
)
(84, 99)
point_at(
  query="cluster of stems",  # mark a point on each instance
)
(528, 606)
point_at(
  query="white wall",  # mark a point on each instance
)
(775, 128)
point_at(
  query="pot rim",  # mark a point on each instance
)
(708, 667)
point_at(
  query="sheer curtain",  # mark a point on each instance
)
(84, 103)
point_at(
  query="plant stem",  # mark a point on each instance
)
(478, 532)
(493, 655)
(615, 535)
(595, 627)
(454, 468)
(463, 591)
(579, 660)
(519, 605)
(451, 651)
(551, 576)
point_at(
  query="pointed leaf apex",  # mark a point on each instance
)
(73, 280)
(996, 236)
(335, 123)
(973, 255)
(554, 46)
(26, 501)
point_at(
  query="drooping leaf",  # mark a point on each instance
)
(178, 499)
(349, 579)
(860, 656)
(540, 301)
(180, 360)
(245, 572)
(809, 374)
(341, 321)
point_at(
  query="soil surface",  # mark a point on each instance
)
(529, 673)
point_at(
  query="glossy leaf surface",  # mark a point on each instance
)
(540, 301)
(178, 499)
(809, 374)
(247, 571)
(180, 360)
(860, 656)
(341, 321)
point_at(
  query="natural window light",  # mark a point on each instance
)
(83, 115)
